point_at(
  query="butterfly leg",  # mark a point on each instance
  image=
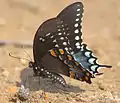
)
(39, 80)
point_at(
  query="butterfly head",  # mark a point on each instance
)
(31, 64)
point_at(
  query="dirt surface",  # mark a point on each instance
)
(19, 20)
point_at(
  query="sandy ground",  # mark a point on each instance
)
(19, 20)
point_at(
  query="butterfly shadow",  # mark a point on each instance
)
(45, 84)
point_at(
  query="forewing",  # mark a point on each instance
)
(72, 16)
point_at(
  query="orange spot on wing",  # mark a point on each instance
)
(69, 57)
(77, 63)
(61, 51)
(52, 52)
(72, 74)
(86, 78)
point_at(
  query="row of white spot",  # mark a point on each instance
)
(51, 76)
(60, 32)
(88, 54)
(64, 43)
(41, 39)
(77, 29)
(54, 77)
(48, 34)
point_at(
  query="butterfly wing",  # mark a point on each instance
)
(43, 42)
(55, 40)
(76, 71)
(72, 16)
(43, 39)
(61, 52)
(64, 33)
(52, 34)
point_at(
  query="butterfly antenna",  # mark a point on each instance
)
(10, 54)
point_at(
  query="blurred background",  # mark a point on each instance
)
(19, 20)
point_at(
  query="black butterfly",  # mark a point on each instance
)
(58, 48)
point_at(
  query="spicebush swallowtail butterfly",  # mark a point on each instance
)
(58, 42)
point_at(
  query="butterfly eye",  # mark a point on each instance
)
(31, 64)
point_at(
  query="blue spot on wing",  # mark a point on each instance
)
(79, 57)
(87, 60)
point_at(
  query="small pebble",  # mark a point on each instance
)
(23, 93)
(44, 95)
(108, 100)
